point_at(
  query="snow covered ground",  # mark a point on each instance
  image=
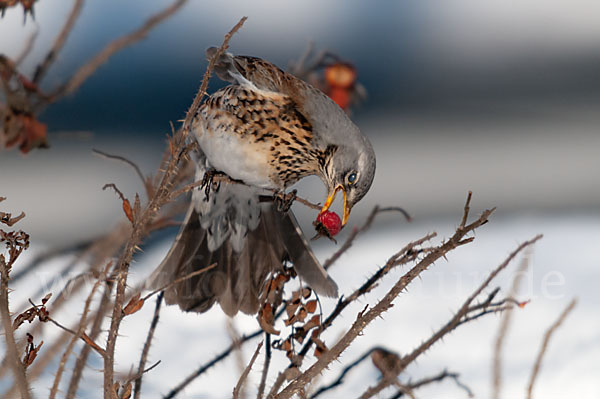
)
(564, 264)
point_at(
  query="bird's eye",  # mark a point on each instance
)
(352, 177)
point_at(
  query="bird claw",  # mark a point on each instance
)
(284, 201)
(208, 182)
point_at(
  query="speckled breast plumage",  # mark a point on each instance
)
(257, 136)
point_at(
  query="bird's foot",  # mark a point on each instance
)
(284, 201)
(209, 183)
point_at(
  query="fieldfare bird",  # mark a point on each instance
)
(268, 130)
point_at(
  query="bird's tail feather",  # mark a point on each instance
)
(238, 278)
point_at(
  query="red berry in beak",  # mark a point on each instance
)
(330, 221)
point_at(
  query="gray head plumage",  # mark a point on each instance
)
(351, 164)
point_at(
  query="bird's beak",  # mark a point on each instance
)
(330, 199)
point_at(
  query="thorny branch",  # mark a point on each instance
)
(503, 329)
(357, 231)
(137, 391)
(84, 337)
(202, 369)
(340, 379)
(538, 361)
(458, 319)
(141, 223)
(16, 242)
(78, 334)
(244, 376)
(81, 361)
(366, 317)
(59, 42)
(265, 371)
(436, 378)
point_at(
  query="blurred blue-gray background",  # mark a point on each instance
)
(501, 98)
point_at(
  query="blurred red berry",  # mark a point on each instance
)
(340, 75)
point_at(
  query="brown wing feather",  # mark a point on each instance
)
(236, 282)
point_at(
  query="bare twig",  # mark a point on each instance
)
(406, 254)
(12, 243)
(265, 371)
(436, 378)
(78, 334)
(86, 350)
(27, 48)
(281, 378)
(116, 190)
(139, 374)
(138, 382)
(540, 356)
(59, 42)
(11, 345)
(339, 381)
(135, 167)
(202, 369)
(357, 231)
(244, 376)
(84, 337)
(503, 329)
(113, 47)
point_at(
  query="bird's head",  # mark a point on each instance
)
(349, 169)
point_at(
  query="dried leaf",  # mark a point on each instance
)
(523, 304)
(311, 306)
(27, 315)
(33, 135)
(301, 315)
(286, 345)
(320, 348)
(127, 210)
(300, 334)
(291, 320)
(46, 298)
(30, 314)
(134, 305)
(126, 391)
(291, 307)
(387, 362)
(266, 319)
(313, 322)
(31, 351)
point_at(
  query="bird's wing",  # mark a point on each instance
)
(259, 73)
(248, 240)
(326, 118)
